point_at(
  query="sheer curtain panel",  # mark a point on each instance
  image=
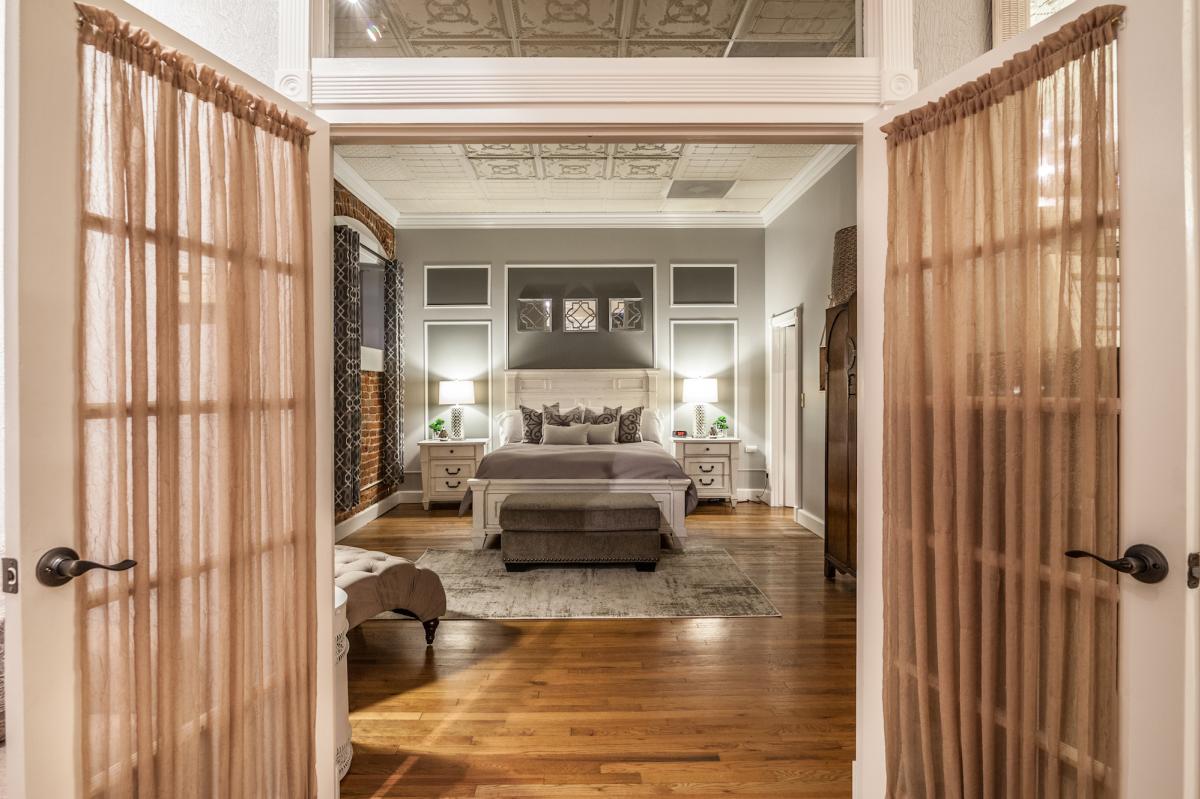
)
(1000, 429)
(195, 397)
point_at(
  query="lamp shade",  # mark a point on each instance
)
(700, 389)
(456, 392)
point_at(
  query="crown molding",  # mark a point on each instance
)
(578, 220)
(829, 157)
(360, 188)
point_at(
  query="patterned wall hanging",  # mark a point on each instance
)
(347, 363)
(393, 375)
(579, 316)
(534, 316)
(625, 314)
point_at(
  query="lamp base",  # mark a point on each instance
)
(700, 426)
(456, 423)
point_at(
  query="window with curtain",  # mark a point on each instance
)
(1001, 416)
(196, 447)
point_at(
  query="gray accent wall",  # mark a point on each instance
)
(799, 265)
(457, 286)
(705, 349)
(558, 349)
(660, 247)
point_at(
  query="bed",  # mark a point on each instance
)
(644, 467)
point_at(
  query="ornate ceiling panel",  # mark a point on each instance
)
(627, 177)
(595, 28)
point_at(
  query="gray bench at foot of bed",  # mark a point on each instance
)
(583, 527)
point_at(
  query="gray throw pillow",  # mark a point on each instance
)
(602, 433)
(557, 434)
(606, 416)
(629, 430)
(551, 416)
(531, 423)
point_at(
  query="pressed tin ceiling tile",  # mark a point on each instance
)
(550, 177)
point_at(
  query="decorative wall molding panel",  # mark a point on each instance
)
(372, 82)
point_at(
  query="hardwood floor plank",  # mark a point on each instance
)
(613, 708)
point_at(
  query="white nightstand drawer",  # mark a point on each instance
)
(704, 467)
(448, 451)
(448, 468)
(449, 485)
(712, 485)
(716, 449)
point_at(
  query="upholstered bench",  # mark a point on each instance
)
(376, 581)
(585, 527)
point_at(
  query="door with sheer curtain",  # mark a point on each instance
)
(167, 238)
(1026, 307)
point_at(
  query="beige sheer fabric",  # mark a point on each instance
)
(196, 429)
(1000, 425)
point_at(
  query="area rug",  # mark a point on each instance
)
(695, 583)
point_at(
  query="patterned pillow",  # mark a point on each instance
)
(629, 431)
(606, 416)
(531, 422)
(551, 416)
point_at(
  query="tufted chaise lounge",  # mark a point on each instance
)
(376, 582)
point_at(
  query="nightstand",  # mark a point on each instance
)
(712, 463)
(446, 466)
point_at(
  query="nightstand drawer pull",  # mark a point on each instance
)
(707, 482)
(455, 484)
(709, 470)
(453, 473)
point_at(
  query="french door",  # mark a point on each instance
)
(1159, 389)
(41, 248)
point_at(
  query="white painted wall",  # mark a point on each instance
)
(243, 32)
(799, 263)
(948, 34)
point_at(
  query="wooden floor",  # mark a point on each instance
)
(563, 709)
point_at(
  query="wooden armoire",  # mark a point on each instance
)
(841, 438)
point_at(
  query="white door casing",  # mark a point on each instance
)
(41, 201)
(1160, 395)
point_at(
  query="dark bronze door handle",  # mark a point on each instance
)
(62, 564)
(1142, 562)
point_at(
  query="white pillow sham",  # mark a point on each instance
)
(510, 429)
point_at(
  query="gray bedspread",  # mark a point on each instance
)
(644, 460)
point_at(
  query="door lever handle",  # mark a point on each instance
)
(1142, 562)
(62, 564)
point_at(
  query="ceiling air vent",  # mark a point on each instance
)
(700, 189)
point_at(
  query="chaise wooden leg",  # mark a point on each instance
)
(646, 567)
(430, 630)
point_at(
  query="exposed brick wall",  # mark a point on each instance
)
(346, 204)
(370, 486)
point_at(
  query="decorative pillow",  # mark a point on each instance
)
(602, 433)
(510, 426)
(629, 430)
(552, 416)
(560, 434)
(652, 426)
(531, 422)
(606, 416)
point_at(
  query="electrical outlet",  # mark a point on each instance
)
(751, 449)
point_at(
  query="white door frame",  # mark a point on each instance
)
(40, 233)
(1160, 396)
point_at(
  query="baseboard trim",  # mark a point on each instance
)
(373, 512)
(754, 495)
(806, 519)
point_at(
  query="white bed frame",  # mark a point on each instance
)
(592, 388)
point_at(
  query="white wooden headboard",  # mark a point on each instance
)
(593, 388)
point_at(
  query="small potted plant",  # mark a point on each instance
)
(438, 428)
(721, 425)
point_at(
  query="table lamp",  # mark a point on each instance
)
(456, 393)
(698, 391)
